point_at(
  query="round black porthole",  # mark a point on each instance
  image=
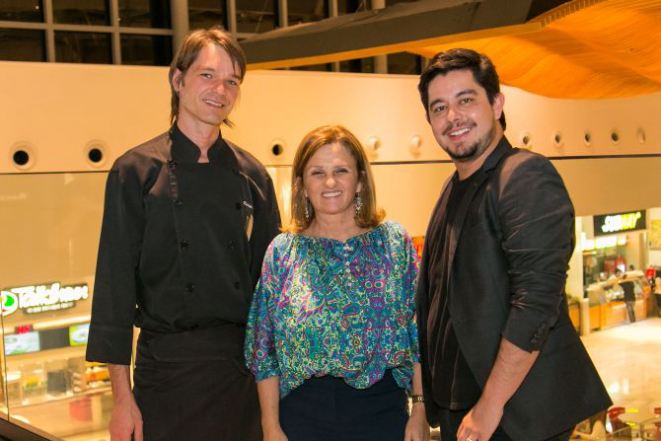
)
(277, 149)
(615, 137)
(21, 157)
(587, 138)
(95, 155)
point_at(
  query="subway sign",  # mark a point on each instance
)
(606, 224)
(33, 299)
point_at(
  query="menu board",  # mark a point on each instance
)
(78, 334)
(22, 343)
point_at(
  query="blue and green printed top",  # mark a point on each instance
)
(326, 307)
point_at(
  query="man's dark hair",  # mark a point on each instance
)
(480, 65)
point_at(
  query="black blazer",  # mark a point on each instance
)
(508, 267)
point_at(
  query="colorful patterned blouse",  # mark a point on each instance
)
(325, 307)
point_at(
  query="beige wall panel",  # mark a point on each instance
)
(50, 233)
(58, 109)
(44, 218)
(599, 186)
(284, 106)
(389, 108)
(543, 117)
(407, 192)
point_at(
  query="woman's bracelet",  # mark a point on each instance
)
(417, 399)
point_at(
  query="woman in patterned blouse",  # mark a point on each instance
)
(331, 337)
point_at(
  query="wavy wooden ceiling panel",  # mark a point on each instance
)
(584, 49)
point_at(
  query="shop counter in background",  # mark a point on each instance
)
(49, 383)
(607, 307)
(574, 312)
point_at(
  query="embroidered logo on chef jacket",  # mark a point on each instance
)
(248, 218)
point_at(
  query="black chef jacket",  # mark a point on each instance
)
(181, 243)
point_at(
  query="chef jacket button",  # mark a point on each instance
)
(231, 244)
(237, 285)
(238, 205)
(178, 202)
(190, 287)
(172, 163)
(183, 244)
(533, 341)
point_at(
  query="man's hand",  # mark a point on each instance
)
(511, 367)
(480, 423)
(126, 420)
(416, 427)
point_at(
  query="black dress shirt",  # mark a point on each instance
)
(453, 383)
(181, 244)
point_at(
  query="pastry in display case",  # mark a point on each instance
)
(97, 375)
(33, 382)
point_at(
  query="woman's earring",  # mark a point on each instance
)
(358, 204)
(307, 210)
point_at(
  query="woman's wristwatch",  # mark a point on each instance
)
(417, 399)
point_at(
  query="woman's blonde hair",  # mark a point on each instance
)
(370, 215)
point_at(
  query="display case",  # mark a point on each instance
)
(48, 262)
(49, 383)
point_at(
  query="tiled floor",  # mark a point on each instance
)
(628, 358)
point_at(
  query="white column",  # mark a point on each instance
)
(180, 25)
(575, 274)
(380, 61)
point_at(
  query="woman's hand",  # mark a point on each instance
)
(274, 433)
(269, 403)
(417, 428)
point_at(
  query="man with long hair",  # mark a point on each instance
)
(187, 219)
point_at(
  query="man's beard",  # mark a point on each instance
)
(475, 149)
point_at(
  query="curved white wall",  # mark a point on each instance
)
(59, 110)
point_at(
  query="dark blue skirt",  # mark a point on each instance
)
(327, 409)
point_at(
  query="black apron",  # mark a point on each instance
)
(194, 386)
